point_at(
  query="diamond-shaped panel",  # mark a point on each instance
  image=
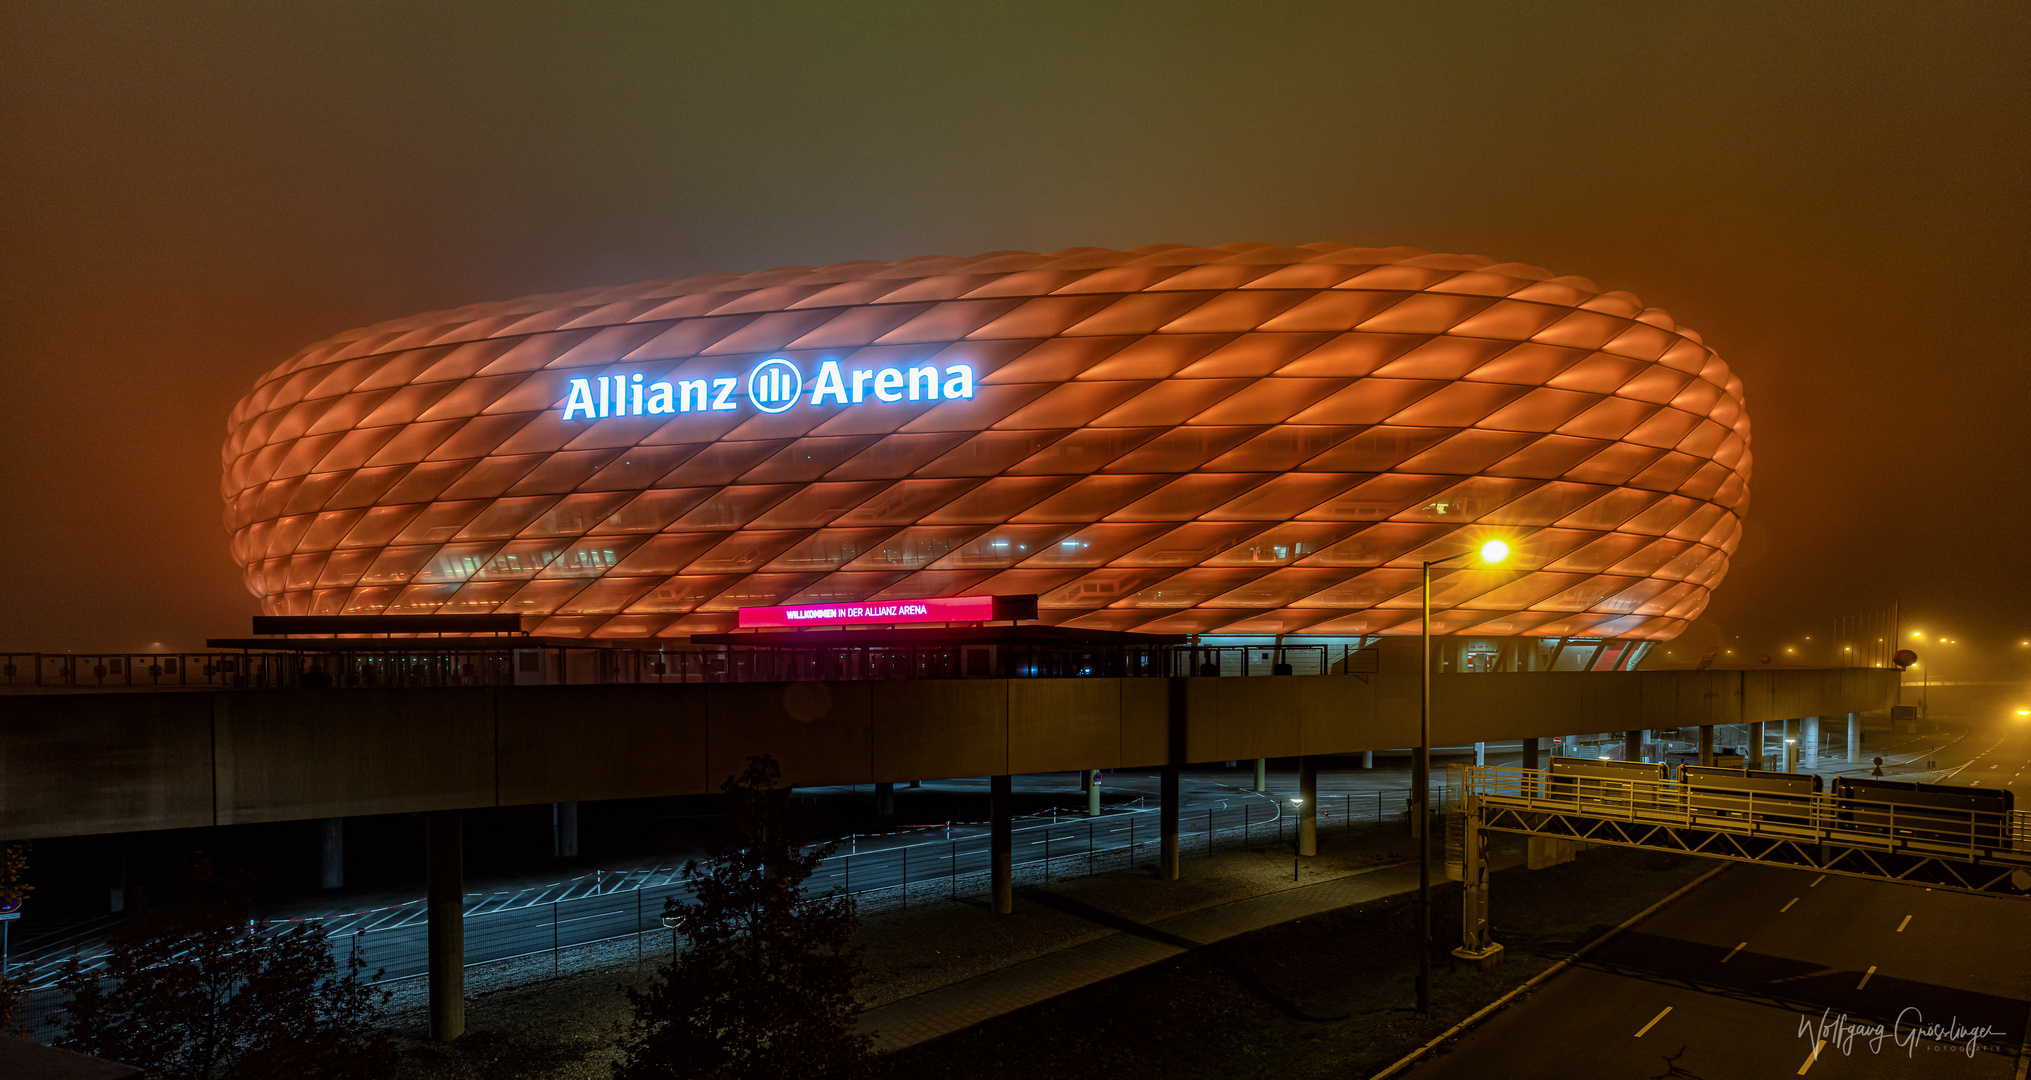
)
(1244, 439)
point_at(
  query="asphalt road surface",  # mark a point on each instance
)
(1774, 972)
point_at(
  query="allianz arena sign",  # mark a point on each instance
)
(773, 386)
(1244, 439)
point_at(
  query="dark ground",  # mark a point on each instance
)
(1327, 996)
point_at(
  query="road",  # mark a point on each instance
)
(1756, 971)
(939, 860)
(1217, 811)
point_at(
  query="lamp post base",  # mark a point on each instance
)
(1465, 960)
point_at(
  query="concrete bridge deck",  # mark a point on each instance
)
(81, 763)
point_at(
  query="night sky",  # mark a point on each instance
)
(1836, 196)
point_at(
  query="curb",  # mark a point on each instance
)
(1457, 1029)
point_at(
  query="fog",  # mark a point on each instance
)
(1834, 196)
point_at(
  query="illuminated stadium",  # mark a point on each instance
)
(1240, 441)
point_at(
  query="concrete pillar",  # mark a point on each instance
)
(1001, 841)
(564, 830)
(1530, 759)
(1092, 792)
(1707, 745)
(444, 852)
(1308, 811)
(1854, 738)
(1167, 821)
(1791, 745)
(1808, 742)
(1753, 753)
(1480, 753)
(1367, 759)
(1632, 746)
(331, 853)
(885, 800)
(1262, 774)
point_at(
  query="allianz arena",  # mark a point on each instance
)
(1239, 440)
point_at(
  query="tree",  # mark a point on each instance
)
(203, 990)
(13, 864)
(764, 987)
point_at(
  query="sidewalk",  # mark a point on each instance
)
(1133, 945)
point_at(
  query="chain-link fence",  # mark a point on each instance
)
(624, 911)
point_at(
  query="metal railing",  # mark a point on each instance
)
(1853, 821)
(423, 663)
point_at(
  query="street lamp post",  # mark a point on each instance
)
(1494, 551)
(1297, 834)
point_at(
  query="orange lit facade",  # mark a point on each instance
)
(1241, 440)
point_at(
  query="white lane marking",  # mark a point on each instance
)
(582, 918)
(1905, 923)
(1812, 1057)
(1787, 905)
(1732, 952)
(1816, 881)
(1865, 977)
(1653, 1021)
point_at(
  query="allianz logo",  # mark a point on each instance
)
(774, 385)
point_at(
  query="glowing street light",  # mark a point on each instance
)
(1492, 552)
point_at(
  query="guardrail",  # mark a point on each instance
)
(1866, 823)
(418, 663)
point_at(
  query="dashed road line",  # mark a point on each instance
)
(1653, 1022)
(1732, 952)
(1905, 923)
(1787, 905)
(1812, 1057)
(1865, 977)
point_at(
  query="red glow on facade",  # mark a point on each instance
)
(1240, 440)
(942, 609)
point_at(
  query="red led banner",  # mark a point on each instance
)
(939, 610)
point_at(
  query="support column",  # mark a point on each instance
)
(1367, 759)
(1480, 753)
(1001, 841)
(1478, 950)
(564, 830)
(1262, 774)
(1854, 738)
(1308, 811)
(1707, 745)
(1808, 742)
(885, 800)
(1530, 758)
(1092, 792)
(1167, 821)
(1632, 746)
(1753, 759)
(331, 853)
(1790, 750)
(444, 853)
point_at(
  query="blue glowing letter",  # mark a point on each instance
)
(580, 398)
(960, 385)
(829, 382)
